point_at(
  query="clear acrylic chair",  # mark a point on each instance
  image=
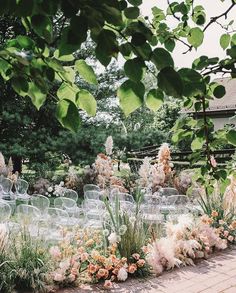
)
(58, 216)
(21, 190)
(64, 203)
(179, 205)
(72, 194)
(125, 197)
(5, 211)
(41, 202)
(58, 219)
(28, 217)
(168, 191)
(6, 184)
(91, 187)
(93, 195)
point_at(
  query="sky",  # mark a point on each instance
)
(210, 46)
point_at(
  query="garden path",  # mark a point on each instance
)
(215, 275)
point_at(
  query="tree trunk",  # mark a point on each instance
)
(17, 164)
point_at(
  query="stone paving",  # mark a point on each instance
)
(215, 275)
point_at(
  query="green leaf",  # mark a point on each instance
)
(87, 102)
(195, 37)
(25, 42)
(131, 12)
(64, 58)
(67, 91)
(134, 69)
(68, 74)
(224, 41)
(107, 47)
(162, 58)
(233, 40)
(219, 91)
(37, 97)
(86, 71)
(68, 115)
(197, 143)
(130, 96)
(135, 2)
(193, 82)
(20, 85)
(170, 82)
(154, 99)
(42, 25)
(169, 44)
(231, 137)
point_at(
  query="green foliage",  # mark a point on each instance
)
(131, 96)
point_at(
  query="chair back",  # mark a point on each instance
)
(21, 186)
(6, 184)
(91, 187)
(168, 191)
(72, 194)
(5, 211)
(40, 201)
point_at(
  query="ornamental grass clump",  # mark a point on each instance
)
(127, 231)
(29, 263)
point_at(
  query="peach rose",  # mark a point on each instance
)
(141, 263)
(132, 268)
(92, 268)
(84, 256)
(214, 214)
(108, 284)
(74, 271)
(145, 249)
(136, 256)
(115, 271)
(102, 273)
(226, 233)
(231, 238)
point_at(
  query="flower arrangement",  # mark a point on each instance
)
(188, 240)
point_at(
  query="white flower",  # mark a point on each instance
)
(122, 274)
(113, 238)
(109, 145)
(46, 193)
(62, 183)
(50, 189)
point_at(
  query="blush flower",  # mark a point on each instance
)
(102, 273)
(55, 252)
(136, 256)
(214, 214)
(108, 284)
(141, 263)
(132, 268)
(231, 238)
(58, 277)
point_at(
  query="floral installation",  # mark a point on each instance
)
(151, 176)
(104, 167)
(188, 240)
